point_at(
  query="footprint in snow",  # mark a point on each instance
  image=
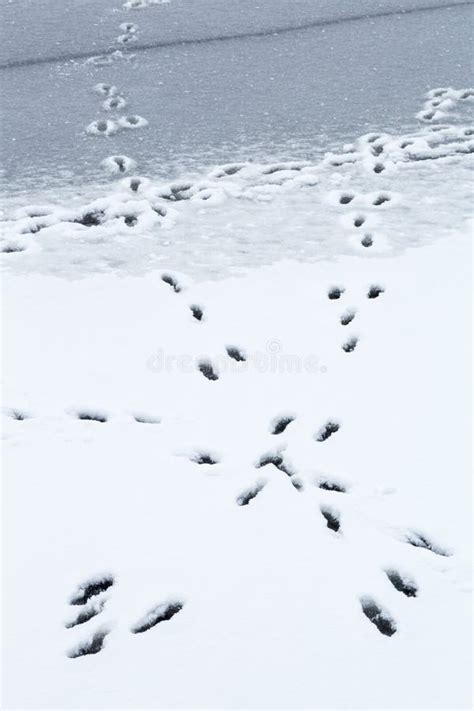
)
(327, 430)
(279, 424)
(245, 497)
(402, 583)
(335, 292)
(160, 613)
(171, 281)
(350, 345)
(379, 617)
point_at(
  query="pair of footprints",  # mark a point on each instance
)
(113, 101)
(335, 293)
(89, 595)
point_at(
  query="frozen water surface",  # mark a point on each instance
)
(259, 90)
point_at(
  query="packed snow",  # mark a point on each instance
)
(236, 411)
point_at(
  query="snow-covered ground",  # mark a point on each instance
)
(236, 396)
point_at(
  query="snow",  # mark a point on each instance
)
(271, 596)
(235, 412)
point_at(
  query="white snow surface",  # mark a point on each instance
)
(236, 425)
(271, 597)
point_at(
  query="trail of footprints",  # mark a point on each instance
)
(90, 597)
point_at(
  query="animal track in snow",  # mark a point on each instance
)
(378, 168)
(147, 419)
(350, 345)
(90, 588)
(347, 317)
(161, 613)
(171, 281)
(102, 127)
(346, 198)
(279, 424)
(206, 368)
(129, 27)
(133, 122)
(375, 291)
(89, 611)
(359, 221)
(16, 415)
(330, 428)
(93, 645)
(402, 583)
(204, 458)
(275, 458)
(106, 89)
(91, 416)
(11, 248)
(335, 292)
(235, 353)
(90, 219)
(246, 496)
(378, 616)
(332, 518)
(419, 540)
(113, 103)
(330, 485)
(367, 241)
(381, 199)
(197, 312)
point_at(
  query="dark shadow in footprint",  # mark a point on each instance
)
(379, 168)
(12, 248)
(147, 419)
(161, 613)
(347, 317)
(327, 430)
(197, 312)
(91, 219)
(176, 193)
(377, 150)
(92, 416)
(205, 367)
(130, 220)
(235, 353)
(16, 415)
(86, 614)
(277, 460)
(329, 485)
(246, 496)
(332, 518)
(419, 540)
(91, 588)
(280, 425)
(379, 617)
(350, 344)
(381, 199)
(367, 241)
(335, 292)
(90, 646)
(346, 198)
(359, 221)
(402, 583)
(204, 458)
(134, 184)
(171, 281)
(375, 291)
